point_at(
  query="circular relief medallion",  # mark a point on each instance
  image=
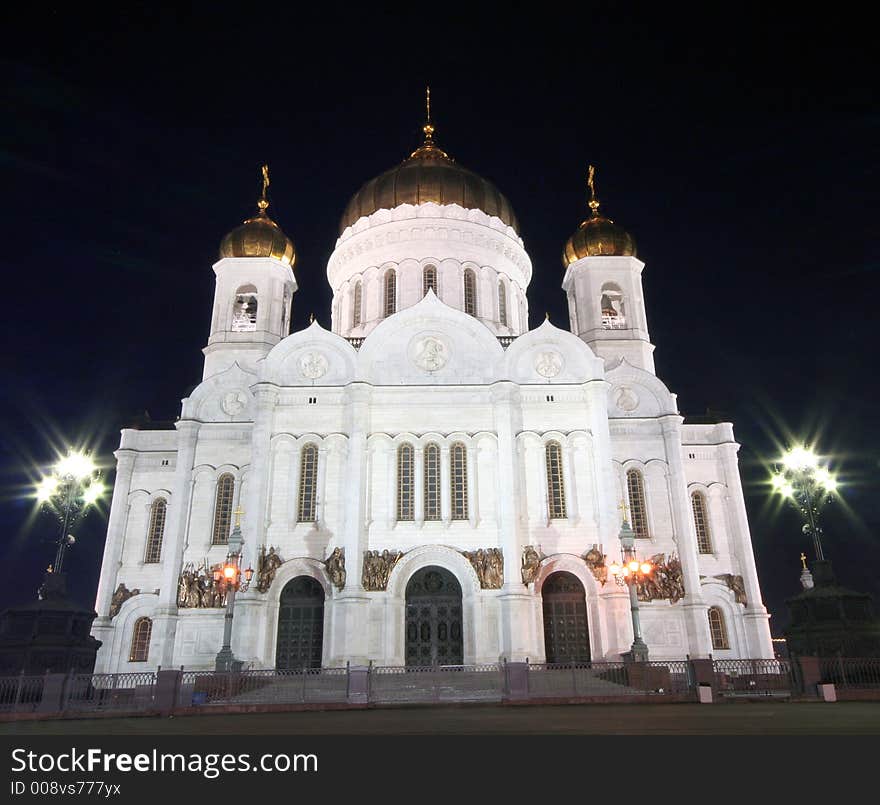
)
(234, 402)
(626, 399)
(548, 364)
(313, 365)
(429, 353)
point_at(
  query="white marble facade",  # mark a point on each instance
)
(427, 374)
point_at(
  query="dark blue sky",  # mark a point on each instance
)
(740, 151)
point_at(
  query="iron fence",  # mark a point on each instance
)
(851, 672)
(98, 692)
(443, 683)
(20, 694)
(608, 679)
(758, 678)
(266, 686)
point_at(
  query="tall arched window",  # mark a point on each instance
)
(140, 640)
(555, 486)
(611, 305)
(717, 628)
(223, 510)
(390, 292)
(306, 509)
(405, 484)
(470, 292)
(244, 310)
(156, 530)
(638, 512)
(502, 303)
(429, 279)
(701, 522)
(432, 482)
(458, 481)
(356, 305)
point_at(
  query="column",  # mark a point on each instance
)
(255, 505)
(756, 618)
(696, 619)
(607, 514)
(569, 480)
(165, 619)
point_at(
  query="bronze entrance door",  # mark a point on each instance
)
(566, 637)
(300, 625)
(433, 618)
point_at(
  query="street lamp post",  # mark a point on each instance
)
(229, 579)
(802, 480)
(630, 572)
(73, 486)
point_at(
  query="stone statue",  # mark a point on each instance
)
(196, 589)
(377, 569)
(735, 583)
(489, 566)
(531, 564)
(665, 580)
(595, 560)
(121, 595)
(267, 565)
(336, 568)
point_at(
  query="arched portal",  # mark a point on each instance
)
(300, 624)
(434, 626)
(566, 636)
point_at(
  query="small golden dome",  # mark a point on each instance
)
(429, 174)
(598, 236)
(259, 236)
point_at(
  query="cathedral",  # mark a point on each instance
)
(429, 482)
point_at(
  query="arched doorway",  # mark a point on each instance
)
(433, 618)
(300, 624)
(566, 636)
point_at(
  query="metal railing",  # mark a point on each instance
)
(266, 686)
(20, 694)
(443, 683)
(851, 672)
(608, 679)
(101, 692)
(759, 678)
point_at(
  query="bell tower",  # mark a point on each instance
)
(603, 282)
(253, 293)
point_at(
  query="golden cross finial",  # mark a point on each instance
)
(238, 513)
(594, 202)
(804, 560)
(263, 203)
(311, 317)
(428, 128)
(625, 509)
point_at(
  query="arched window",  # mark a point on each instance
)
(555, 486)
(611, 304)
(140, 640)
(638, 513)
(717, 628)
(701, 522)
(356, 305)
(405, 486)
(429, 279)
(432, 482)
(390, 292)
(458, 481)
(223, 510)
(244, 310)
(308, 485)
(156, 530)
(470, 292)
(502, 303)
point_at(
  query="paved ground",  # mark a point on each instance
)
(740, 718)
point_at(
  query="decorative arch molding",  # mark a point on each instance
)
(535, 439)
(660, 402)
(717, 594)
(550, 355)
(439, 555)
(142, 605)
(567, 563)
(212, 472)
(223, 397)
(301, 566)
(279, 440)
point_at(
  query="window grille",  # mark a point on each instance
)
(502, 303)
(308, 483)
(470, 292)
(718, 629)
(637, 509)
(458, 481)
(223, 510)
(156, 530)
(429, 279)
(701, 522)
(555, 485)
(356, 306)
(405, 482)
(432, 482)
(140, 640)
(390, 292)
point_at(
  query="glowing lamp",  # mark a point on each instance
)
(633, 566)
(217, 575)
(248, 574)
(615, 569)
(93, 492)
(646, 568)
(778, 481)
(229, 572)
(75, 465)
(46, 488)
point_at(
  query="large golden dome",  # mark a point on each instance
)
(259, 236)
(429, 174)
(598, 236)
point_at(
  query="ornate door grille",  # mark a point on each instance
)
(300, 625)
(566, 637)
(434, 619)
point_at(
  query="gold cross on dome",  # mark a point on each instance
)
(238, 513)
(804, 560)
(625, 509)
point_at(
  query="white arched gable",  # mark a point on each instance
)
(223, 397)
(550, 355)
(310, 357)
(635, 392)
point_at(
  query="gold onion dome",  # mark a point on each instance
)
(429, 174)
(259, 236)
(598, 236)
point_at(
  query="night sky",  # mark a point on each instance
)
(739, 150)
